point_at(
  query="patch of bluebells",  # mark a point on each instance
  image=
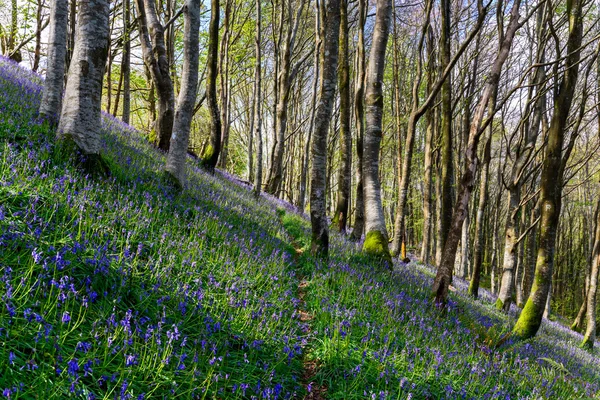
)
(119, 286)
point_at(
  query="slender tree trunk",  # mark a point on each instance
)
(224, 84)
(329, 61)
(51, 104)
(345, 171)
(359, 219)
(80, 117)
(258, 101)
(71, 36)
(38, 36)
(590, 332)
(126, 62)
(428, 161)
(478, 247)
(446, 128)
(376, 241)
(154, 51)
(211, 153)
(286, 75)
(551, 181)
(444, 273)
(187, 95)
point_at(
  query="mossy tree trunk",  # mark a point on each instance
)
(340, 217)
(359, 114)
(155, 56)
(51, 104)
(376, 241)
(551, 180)
(329, 60)
(187, 95)
(80, 117)
(212, 150)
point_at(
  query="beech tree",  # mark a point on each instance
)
(552, 178)
(50, 107)
(152, 38)
(376, 241)
(328, 81)
(187, 95)
(213, 149)
(80, 116)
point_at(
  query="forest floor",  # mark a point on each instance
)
(120, 287)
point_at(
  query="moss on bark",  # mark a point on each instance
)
(376, 245)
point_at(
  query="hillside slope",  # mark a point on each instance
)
(122, 288)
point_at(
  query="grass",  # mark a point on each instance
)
(120, 287)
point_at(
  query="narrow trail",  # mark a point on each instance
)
(310, 367)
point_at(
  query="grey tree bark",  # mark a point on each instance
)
(187, 95)
(126, 62)
(80, 116)
(211, 153)
(551, 180)
(306, 156)
(154, 52)
(287, 74)
(376, 241)
(258, 101)
(359, 113)
(328, 81)
(51, 104)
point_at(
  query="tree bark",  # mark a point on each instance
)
(328, 81)
(187, 94)
(376, 241)
(359, 113)
(126, 62)
(155, 57)
(444, 272)
(211, 153)
(258, 101)
(285, 78)
(80, 116)
(345, 172)
(51, 104)
(447, 178)
(478, 247)
(551, 181)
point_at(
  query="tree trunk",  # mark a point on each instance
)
(359, 112)
(328, 81)
(285, 78)
(155, 58)
(590, 332)
(126, 62)
(345, 172)
(80, 117)
(551, 181)
(444, 273)
(376, 241)
(38, 36)
(478, 247)
(224, 84)
(211, 153)
(258, 102)
(51, 104)
(428, 161)
(187, 95)
(447, 171)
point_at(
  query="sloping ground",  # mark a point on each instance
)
(119, 288)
